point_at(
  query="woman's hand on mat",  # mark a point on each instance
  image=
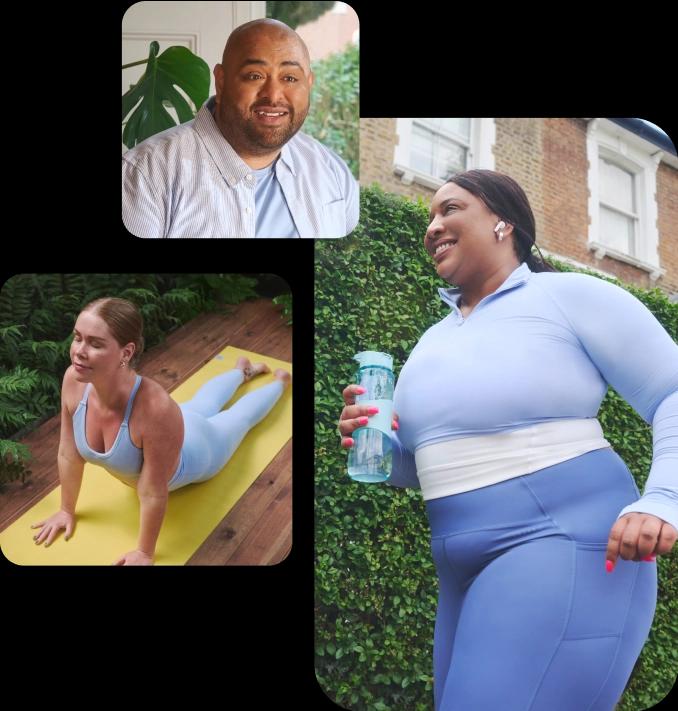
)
(354, 416)
(639, 537)
(134, 558)
(52, 526)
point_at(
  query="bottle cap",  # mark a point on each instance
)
(367, 358)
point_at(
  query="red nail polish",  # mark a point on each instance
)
(360, 390)
(373, 410)
(348, 442)
(363, 420)
(609, 566)
(650, 558)
(396, 425)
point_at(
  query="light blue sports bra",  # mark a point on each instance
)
(124, 460)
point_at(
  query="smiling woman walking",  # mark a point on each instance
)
(529, 506)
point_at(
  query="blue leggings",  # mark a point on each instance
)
(528, 618)
(212, 435)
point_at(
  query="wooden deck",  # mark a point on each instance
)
(258, 529)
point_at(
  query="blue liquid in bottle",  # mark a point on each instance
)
(370, 458)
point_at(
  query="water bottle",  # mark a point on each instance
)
(369, 460)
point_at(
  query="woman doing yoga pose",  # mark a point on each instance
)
(130, 426)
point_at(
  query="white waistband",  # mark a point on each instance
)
(459, 465)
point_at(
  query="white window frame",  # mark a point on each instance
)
(480, 155)
(605, 139)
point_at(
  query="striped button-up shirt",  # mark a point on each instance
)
(189, 182)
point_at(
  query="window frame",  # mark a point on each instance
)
(633, 216)
(480, 155)
(613, 143)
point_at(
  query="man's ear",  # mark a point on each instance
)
(311, 77)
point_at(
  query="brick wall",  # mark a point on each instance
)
(565, 169)
(518, 153)
(378, 139)
(667, 224)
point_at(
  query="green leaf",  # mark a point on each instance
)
(176, 66)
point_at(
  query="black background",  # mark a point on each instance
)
(244, 636)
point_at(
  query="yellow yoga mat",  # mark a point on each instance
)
(107, 513)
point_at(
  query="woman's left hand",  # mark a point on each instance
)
(639, 536)
(134, 558)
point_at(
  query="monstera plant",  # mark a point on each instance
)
(148, 98)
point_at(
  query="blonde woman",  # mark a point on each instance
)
(130, 426)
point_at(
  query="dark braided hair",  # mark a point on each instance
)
(503, 196)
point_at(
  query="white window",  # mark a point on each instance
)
(618, 211)
(431, 150)
(440, 147)
(622, 203)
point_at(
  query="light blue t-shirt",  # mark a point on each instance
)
(544, 346)
(273, 216)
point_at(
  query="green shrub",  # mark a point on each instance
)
(333, 118)
(376, 587)
(14, 459)
(285, 303)
(294, 13)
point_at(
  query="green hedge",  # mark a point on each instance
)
(376, 588)
(333, 118)
(37, 313)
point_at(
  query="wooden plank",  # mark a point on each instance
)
(271, 544)
(253, 325)
(248, 515)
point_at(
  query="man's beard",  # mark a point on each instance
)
(273, 137)
(265, 139)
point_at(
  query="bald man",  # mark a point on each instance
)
(241, 168)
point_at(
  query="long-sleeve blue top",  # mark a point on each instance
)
(544, 346)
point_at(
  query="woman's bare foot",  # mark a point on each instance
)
(282, 375)
(250, 370)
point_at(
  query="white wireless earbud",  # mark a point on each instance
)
(500, 228)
